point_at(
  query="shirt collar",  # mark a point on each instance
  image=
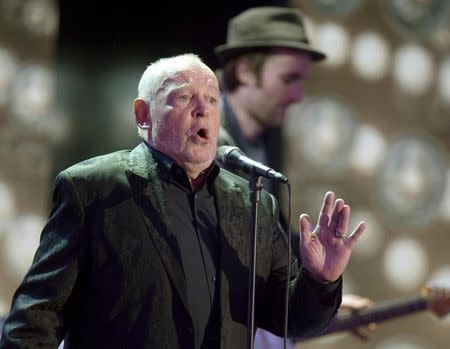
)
(171, 173)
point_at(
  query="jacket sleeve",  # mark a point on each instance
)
(43, 303)
(312, 304)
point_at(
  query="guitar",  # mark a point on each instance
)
(435, 299)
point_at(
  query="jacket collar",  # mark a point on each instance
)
(148, 193)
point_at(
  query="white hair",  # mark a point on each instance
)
(159, 71)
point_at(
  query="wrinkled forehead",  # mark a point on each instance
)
(190, 77)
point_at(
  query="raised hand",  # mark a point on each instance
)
(326, 250)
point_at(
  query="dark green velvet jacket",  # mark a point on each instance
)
(107, 273)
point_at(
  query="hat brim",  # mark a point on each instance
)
(225, 52)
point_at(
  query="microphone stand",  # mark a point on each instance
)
(255, 185)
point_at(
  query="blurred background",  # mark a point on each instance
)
(374, 127)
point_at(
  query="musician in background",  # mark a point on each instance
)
(264, 64)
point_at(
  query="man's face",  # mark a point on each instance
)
(280, 84)
(185, 123)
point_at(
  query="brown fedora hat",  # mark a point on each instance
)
(266, 27)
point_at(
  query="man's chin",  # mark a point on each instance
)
(202, 158)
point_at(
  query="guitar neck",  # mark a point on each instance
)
(381, 312)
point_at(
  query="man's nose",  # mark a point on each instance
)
(200, 109)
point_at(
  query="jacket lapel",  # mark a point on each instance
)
(234, 222)
(148, 193)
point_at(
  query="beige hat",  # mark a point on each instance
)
(266, 27)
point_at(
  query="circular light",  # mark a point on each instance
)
(33, 93)
(409, 185)
(405, 264)
(370, 56)
(333, 39)
(21, 241)
(368, 150)
(413, 69)
(8, 69)
(322, 130)
(444, 80)
(370, 243)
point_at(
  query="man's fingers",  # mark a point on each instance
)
(356, 233)
(305, 227)
(336, 213)
(344, 218)
(326, 209)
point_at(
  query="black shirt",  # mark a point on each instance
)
(193, 218)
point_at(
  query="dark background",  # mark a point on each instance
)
(98, 39)
(148, 28)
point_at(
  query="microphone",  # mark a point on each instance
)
(233, 158)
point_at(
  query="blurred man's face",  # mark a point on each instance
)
(185, 125)
(279, 85)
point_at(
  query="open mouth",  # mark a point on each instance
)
(202, 133)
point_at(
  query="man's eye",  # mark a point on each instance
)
(184, 97)
(212, 100)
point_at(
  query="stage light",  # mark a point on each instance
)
(413, 69)
(368, 149)
(322, 129)
(370, 56)
(405, 264)
(334, 40)
(409, 184)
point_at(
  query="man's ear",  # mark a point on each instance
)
(142, 114)
(244, 73)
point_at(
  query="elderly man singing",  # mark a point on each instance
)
(148, 248)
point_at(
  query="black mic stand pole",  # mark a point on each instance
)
(255, 185)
